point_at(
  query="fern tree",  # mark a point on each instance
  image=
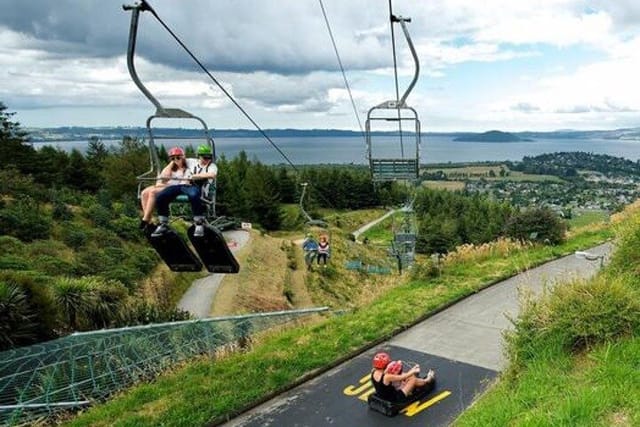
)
(18, 325)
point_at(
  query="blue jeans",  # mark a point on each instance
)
(170, 193)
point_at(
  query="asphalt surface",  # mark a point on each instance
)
(463, 344)
(199, 297)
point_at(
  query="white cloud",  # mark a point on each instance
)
(276, 58)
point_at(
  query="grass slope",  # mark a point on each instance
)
(212, 389)
(575, 355)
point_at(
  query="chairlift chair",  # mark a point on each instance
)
(385, 163)
(211, 248)
(316, 227)
(203, 137)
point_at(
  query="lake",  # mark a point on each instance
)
(434, 149)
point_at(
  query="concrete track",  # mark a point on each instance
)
(199, 297)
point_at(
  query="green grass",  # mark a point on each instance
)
(208, 389)
(574, 358)
(382, 233)
(476, 172)
(588, 217)
(597, 388)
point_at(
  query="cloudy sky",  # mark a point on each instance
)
(490, 64)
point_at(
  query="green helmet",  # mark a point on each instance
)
(204, 150)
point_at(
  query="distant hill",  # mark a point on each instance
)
(491, 136)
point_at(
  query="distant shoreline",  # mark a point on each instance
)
(52, 135)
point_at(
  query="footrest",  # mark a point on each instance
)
(385, 407)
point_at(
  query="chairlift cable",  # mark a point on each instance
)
(148, 7)
(395, 73)
(344, 76)
(177, 39)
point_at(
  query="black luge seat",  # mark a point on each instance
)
(174, 251)
(214, 251)
(391, 409)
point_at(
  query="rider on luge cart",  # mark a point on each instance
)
(395, 388)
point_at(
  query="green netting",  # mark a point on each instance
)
(77, 370)
(372, 269)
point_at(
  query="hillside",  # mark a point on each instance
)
(491, 136)
(284, 357)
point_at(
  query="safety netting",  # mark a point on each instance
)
(38, 381)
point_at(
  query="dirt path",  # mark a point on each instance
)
(301, 297)
(199, 297)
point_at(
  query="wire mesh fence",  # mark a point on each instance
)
(71, 372)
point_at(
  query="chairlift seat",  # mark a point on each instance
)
(406, 238)
(394, 169)
(208, 198)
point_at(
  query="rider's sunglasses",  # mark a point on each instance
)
(206, 157)
(175, 157)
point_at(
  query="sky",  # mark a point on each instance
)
(536, 65)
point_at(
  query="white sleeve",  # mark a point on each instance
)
(191, 164)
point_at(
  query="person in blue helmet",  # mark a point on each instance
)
(310, 248)
(203, 171)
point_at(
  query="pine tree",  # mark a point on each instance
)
(14, 141)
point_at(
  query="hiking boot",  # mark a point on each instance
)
(198, 231)
(162, 228)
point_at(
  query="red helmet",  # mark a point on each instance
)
(381, 360)
(394, 367)
(176, 151)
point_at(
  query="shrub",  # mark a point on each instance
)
(91, 261)
(426, 270)
(25, 219)
(142, 313)
(538, 225)
(11, 245)
(143, 260)
(37, 290)
(127, 228)
(18, 185)
(75, 299)
(469, 252)
(573, 317)
(61, 211)
(99, 215)
(49, 247)
(110, 301)
(74, 238)
(13, 262)
(123, 275)
(52, 265)
(18, 325)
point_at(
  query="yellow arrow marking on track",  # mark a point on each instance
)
(417, 407)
